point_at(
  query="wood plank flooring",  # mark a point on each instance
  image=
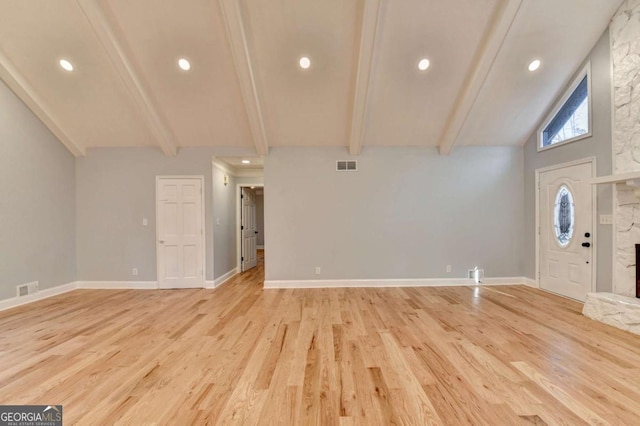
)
(243, 355)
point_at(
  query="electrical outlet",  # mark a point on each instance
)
(318, 270)
(134, 272)
(145, 222)
(606, 219)
(448, 268)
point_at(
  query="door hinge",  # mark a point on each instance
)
(539, 230)
(241, 196)
(241, 227)
(242, 258)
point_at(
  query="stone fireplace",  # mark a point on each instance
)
(625, 55)
(621, 308)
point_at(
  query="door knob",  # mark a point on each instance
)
(161, 241)
(255, 232)
(587, 235)
(586, 244)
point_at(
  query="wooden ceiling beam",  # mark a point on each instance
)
(369, 39)
(109, 35)
(488, 49)
(233, 18)
(21, 87)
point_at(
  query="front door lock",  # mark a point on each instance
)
(586, 244)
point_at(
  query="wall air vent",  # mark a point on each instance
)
(347, 166)
(27, 289)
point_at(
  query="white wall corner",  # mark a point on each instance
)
(225, 278)
(224, 167)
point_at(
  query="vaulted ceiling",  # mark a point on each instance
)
(246, 89)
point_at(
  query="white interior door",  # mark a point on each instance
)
(566, 230)
(249, 230)
(180, 245)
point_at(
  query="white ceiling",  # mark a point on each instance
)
(245, 88)
(237, 162)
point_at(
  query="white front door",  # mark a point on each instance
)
(249, 230)
(566, 230)
(180, 232)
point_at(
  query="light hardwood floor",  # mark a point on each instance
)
(243, 355)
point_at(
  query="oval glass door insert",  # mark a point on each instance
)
(564, 216)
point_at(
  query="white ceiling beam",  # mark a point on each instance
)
(232, 13)
(369, 36)
(101, 20)
(21, 87)
(489, 47)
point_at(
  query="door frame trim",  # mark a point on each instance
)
(239, 187)
(204, 224)
(594, 207)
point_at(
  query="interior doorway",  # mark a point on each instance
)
(180, 231)
(250, 225)
(566, 228)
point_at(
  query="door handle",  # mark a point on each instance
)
(161, 241)
(256, 232)
(586, 244)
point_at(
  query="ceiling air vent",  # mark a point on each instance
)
(347, 166)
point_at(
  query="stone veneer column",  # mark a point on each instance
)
(625, 55)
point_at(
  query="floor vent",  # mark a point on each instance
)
(347, 166)
(27, 289)
(476, 275)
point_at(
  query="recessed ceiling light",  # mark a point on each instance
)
(534, 65)
(246, 162)
(66, 65)
(184, 64)
(423, 64)
(305, 62)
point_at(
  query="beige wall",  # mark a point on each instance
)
(598, 146)
(37, 204)
(406, 213)
(116, 190)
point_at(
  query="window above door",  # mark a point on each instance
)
(570, 119)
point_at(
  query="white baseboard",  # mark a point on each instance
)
(418, 282)
(224, 278)
(42, 294)
(100, 285)
(530, 282)
(117, 285)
